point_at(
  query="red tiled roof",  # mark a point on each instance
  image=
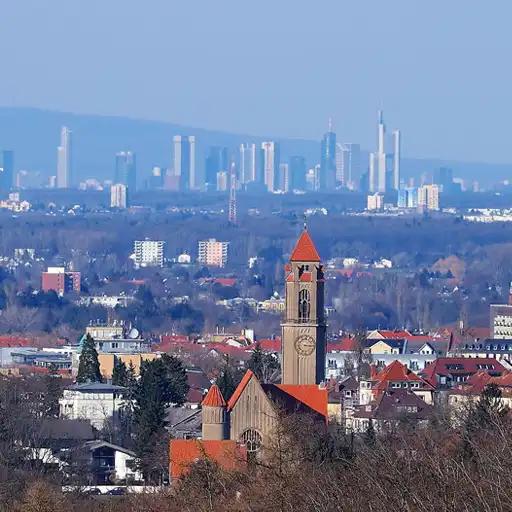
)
(238, 391)
(311, 395)
(270, 345)
(306, 277)
(15, 341)
(214, 398)
(305, 249)
(227, 350)
(397, 372)
(185, 452)
(394, 335)
(446, 366)
(344, 345)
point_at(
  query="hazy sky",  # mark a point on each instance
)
(440, 69)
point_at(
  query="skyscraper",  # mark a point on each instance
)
(328, 160)
(232, 210)
(185, 162)
(126, 170)
(118, 196)
(348, 172)
(384, 164)
(271, 160)
(247, 163)
(297, 173)
(6, 170)
(216, 161)
(64, 159)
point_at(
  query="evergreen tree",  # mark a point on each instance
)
(119, 373)
(263, 365)
(53, 391)
(177, 377)
(228, 379)
(89, 366)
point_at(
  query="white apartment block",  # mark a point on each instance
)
(118, 196)
(149, 253)
(375, 202)
(213, 253)
(428, 197)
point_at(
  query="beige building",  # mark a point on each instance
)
(213, 253)
(107, 361)
(375, 202)
(118, 196)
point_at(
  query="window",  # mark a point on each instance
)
(252, 440)
(304, 304)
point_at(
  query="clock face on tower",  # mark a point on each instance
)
(305, 345)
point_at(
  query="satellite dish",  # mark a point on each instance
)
(133, 334)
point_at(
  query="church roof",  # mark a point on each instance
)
(238, 391)
(305, 249)
(183, 453)
(214, 398)
(311, 395)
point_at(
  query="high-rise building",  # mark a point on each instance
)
(6, 170)
(156, 180)
(248, 169)
(126, 170)
(348, 165)
(149, 253)
(283, 182)
(408, 197)
(384, 164)
(328, 160)
(271, 161)
(213, 253)
(216, 161)
(375, 202)
(297, 173)
(185, 163)
(57, 279)
(232, 209)
(428, 197)
(222, 181)
(444, 178)
(118, 196)
(65, 159)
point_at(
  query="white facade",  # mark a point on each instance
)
(375, 202)
(149, 253)
(98, 403)
(118, 196)
(247, 163)
(213, 253)
(64, 161)
(270, 164)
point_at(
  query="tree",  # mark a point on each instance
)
(265, 366)
(228, 379)
(119, 373)
(53, 392)
(89, 366)
(162, 382)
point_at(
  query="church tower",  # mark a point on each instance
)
(303, 328)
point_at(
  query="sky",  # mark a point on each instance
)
(439, 69)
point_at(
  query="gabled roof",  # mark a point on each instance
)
(398, 372)
(239, 389)
(311, 395)
(214, 398)
(448, 366)
(305, 249)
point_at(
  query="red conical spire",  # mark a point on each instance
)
(214, 398)
(305, 249)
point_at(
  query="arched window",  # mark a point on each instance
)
(252, 440)
(304, 304)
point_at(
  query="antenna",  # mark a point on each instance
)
(232, 195)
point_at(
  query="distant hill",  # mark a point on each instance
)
(34, 136)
